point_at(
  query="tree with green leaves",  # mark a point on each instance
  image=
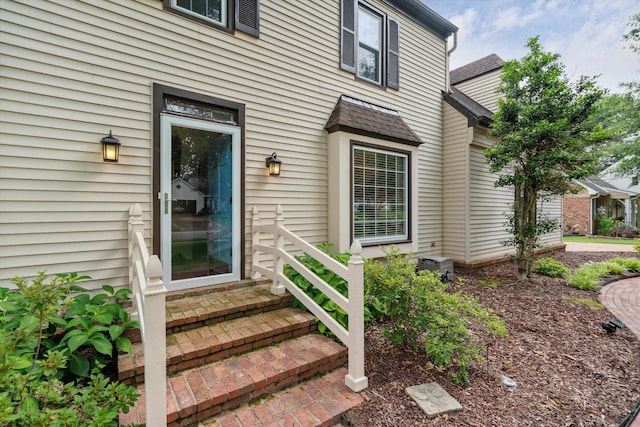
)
(633, 36)
(544, 137)
(622, 113)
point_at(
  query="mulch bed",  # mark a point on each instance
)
(569, 371)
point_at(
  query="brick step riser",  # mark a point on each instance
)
(255, 391)
(200, 357)
(205, 319)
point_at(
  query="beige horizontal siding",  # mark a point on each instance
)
(456, 184)
(488, 207)
(72, 71)
(482, 89)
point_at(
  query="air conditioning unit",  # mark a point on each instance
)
(437, 263)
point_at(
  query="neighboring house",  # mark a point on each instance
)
(632, 204)
(599, 197)
(474, 209)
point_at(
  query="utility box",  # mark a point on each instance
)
(437, 263)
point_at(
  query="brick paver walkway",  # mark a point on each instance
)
(622, 298)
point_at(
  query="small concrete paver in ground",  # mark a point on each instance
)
(433, 399)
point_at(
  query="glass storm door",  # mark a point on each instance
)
(200, 202)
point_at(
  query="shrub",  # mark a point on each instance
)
(50, 371)
(587, 276)
(584, 277)
(624, 231)
(604, 225)
(630, 264)
(550, 267)
(372, 309)
(421, 314)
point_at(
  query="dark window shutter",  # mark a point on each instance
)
(348, 36)
(248, 16)
(393, 54)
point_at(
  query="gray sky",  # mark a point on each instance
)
(586, 33)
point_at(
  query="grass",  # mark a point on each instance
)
(489, 283)
(584, 239)
(587, 301)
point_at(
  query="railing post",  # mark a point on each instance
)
(136, 224)
(278, 243)
(255, 240)
(355, 379)
(155, 345)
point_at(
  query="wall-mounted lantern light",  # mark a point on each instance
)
(273, 164)
(110, 148)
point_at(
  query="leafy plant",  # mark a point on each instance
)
(630, 264)
(372, 309)
(550, 267)
(50, 373)
(422, 314)
(587, 276)
(544, 138)
(604, 225)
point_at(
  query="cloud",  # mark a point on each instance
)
(514, 17)
(466, 22)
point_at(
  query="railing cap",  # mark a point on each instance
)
(135, 210)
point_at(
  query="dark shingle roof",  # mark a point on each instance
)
(475, 113)
(476, 68)
(362, 118)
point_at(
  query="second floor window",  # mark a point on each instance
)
(225, 15)
(370, 44)
(213, 10)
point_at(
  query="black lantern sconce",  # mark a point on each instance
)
(273, 164)
(110, 148)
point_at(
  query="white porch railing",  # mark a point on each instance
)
(353, 273)
(145, 281)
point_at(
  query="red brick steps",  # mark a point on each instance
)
(317, 402)
(210, 343)
(199, 393)
(243, 357)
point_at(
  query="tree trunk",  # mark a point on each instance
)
(525, 221)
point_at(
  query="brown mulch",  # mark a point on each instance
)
(569, 371)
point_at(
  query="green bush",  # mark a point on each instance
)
(587, 276)
(50, 345)
(604, 225)
(421, 314)
(630, 264)
(372, 308)
(550, 267)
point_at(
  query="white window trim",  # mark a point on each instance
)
(382, 35)
(223, 15)
(406, 216)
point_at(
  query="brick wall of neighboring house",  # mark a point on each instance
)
(575, 214)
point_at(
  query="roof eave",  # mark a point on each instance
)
(424, 16)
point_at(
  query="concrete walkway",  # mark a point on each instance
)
(597, 247)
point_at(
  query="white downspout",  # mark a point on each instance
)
(449, 52)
